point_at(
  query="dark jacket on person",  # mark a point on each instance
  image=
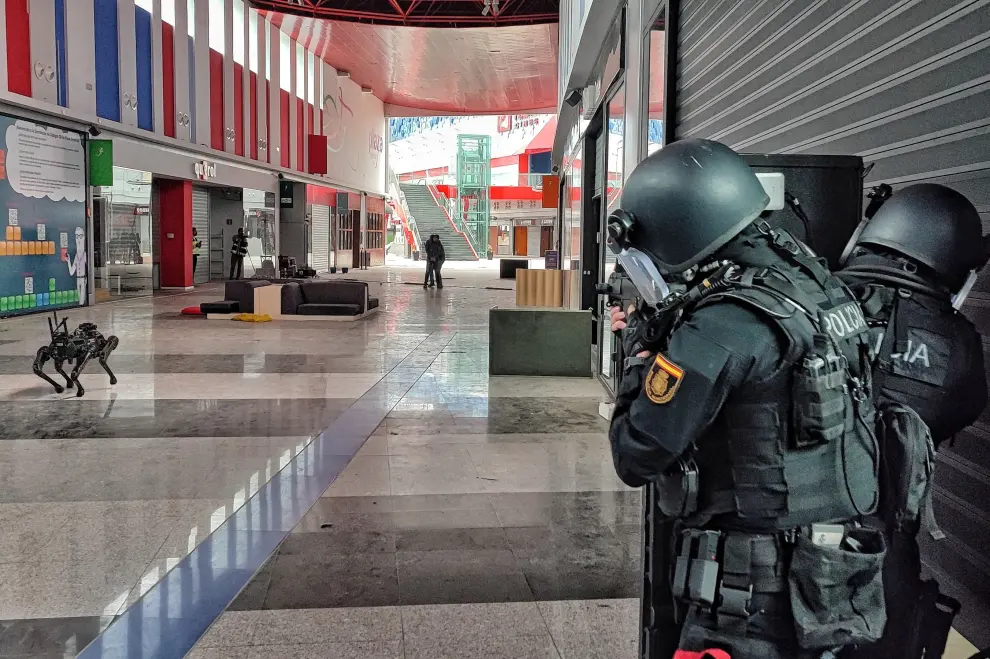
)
(434, 251)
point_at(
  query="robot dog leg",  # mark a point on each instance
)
(61, 371)
(44, 354)
(81, 361)
(108, 346)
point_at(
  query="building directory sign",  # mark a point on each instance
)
(43, 231)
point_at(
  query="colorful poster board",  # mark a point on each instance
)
(43, 227)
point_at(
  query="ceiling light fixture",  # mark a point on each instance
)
(491, 6)
(343, 74)
(367, 90)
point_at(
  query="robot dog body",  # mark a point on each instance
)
(84, 343)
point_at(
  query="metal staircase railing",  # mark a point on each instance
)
(402, 209)
(446, 206)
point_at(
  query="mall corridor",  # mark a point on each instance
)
(480, 512)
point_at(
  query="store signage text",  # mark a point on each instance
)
(205, 170)
(376, 146)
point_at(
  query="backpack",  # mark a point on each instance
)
(919, 617)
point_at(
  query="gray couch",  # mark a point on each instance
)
(238, 297)
(327, 298)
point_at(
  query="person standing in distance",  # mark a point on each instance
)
(435, 257)
(197, 245)
(748, 408)
(238, 250)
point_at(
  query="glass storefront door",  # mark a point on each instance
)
(613, 173)
(124, 234)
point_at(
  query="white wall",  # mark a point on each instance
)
(354, 123)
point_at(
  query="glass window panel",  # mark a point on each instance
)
(217, 26)
(238, 28)
(168, 11)
(656, 70)
(191, 16)
(253, 40)
(147, 5)
(300, 72)
(284, 63)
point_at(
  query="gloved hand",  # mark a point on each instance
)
(627, 322)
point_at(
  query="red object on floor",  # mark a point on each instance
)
(704, 654)
(192, 311)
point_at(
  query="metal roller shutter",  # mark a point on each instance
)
(320, 227)
(902, 83)
(201, 222)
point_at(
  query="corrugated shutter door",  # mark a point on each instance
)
(321, 237)
(201, 222)
(904, 85)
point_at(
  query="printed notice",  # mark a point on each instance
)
(28, 285)
(41, 232)
(45, 162)
(12, 217)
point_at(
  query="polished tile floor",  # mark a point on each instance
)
(301, 490)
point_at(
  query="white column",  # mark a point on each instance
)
(303, 156)
(44, 87)
(79, 54)
(275, 136)
(262, 91)
(157, 59)
(202, 64)
(182, 67)
(293, 110)
(229, 145)
(246, 83)
(127, 50)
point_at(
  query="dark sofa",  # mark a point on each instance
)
(327, 298)
(238, 297)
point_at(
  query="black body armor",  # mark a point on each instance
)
(927, 355)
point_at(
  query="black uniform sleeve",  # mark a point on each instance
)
(664, 405)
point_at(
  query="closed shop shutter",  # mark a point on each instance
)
(201, 222)
(904, 84)
(320, 227)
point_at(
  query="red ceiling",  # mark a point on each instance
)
(421, 13)
(426, 70)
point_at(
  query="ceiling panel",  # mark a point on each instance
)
(417, 70)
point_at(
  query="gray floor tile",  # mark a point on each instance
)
(232, 629)
(472, 621)
(309, 626)
(495, 646)
(456, 577)
(350, 650)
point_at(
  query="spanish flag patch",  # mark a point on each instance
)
(663, 380)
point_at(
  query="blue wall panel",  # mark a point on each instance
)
(145, 88)
(60, 54)
(539, 163)
(107, 59)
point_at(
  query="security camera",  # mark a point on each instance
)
(555, 169)
(94, 131)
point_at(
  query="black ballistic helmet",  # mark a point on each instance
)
(688, 200)
(932, 224)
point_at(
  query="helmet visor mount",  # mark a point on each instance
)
(639, 267)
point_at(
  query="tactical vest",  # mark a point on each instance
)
(797, 447)
(925, 356)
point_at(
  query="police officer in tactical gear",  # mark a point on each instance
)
(746, 403)
(920, 250)
(911, 267)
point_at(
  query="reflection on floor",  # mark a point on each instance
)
(468, 516)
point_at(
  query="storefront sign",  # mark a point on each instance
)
(101, 162)
(376, 147)
(205, 170)
(285, 194)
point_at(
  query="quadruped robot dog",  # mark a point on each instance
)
(79, 346)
